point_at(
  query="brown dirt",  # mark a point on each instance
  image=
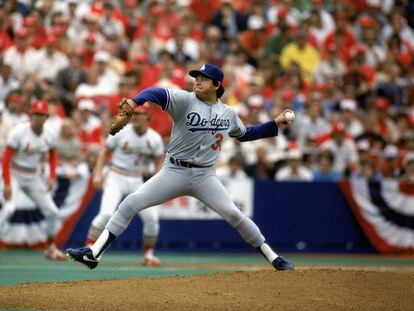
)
(303, 289)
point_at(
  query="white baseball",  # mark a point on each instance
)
(289, 116)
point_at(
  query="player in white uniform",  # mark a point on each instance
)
(27, 146)
(201, 122)
(133, 150)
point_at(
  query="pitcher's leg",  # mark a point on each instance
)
(111, 196)
(214, 195)
(167, 184)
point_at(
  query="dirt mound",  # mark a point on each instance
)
(303, 289)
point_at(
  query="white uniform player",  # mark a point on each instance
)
(27, 146)
(134, 150)
(201, 122)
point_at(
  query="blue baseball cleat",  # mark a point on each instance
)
(83, 255)
(281, 263)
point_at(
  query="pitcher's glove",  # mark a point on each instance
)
(123, 117)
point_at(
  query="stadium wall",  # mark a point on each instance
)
(293, 216)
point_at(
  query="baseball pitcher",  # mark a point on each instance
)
(201, 123)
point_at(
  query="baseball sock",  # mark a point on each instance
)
(102, 243)
(267, 252)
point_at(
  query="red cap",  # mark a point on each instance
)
(90, 37)
(282, 12)
(30, 21)
(288, 95)
(130, 3)
(332, 47)
(22, 32)
(338, 128)
(141, 57)
(367, 21)
(58, 31)
(51, 40)
(40, 106)
(145, 108)
(381, 103)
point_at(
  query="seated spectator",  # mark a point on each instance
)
(232, 172)
(8, 81)
(264, 168)
(367, 171)
(294, 170)
(325, 171)
(408, 170)
(349, 118)
(343, 148)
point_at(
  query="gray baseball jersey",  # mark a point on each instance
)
(199, 128)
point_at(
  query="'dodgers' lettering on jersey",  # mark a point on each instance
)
(196, 123)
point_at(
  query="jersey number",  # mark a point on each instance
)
(217, 144)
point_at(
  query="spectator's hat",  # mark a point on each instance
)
(348, 104)
(145, 108)
(51, 40)
(282, 12)
(338, 128)
(102, 56)
(30, 21)
(255, 22)
(294, 154)
(86, 104)
(381, 103)
(288, 95)
(255, 101)
(213, 72)
(130, 3)
(22, 32)
(141, 57)
(390, 152)
(366, 21)
(40, 107)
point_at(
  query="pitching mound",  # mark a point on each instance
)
(303, 289)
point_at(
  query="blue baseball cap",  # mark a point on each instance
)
(213, 72)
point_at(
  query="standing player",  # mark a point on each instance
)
(27, 146)
(201, 122)
(133, 148)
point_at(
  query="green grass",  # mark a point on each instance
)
(23, 266)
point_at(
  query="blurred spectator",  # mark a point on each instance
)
(324, 170)
(264, 168)
(386, 126)
(68, 79)
(367, 171)
(254, 38)
(284, 9)
(311, 124)
(343, 148)
(294, 169)
(110, 26)
(15, 107)
(230, 21)
(302, 53)
(67, 144)
(349, 119)
(21, 57)
(331, 67)
(204, 9)
(281, 37)
(408, 169)
(89, 126)
(390, 162)
(392, 86)
(8, 81)
(183, 48)
(232, 172)
(52, 61)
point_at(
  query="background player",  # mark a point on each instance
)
(201, 122)
(27, 146)
(133, 150)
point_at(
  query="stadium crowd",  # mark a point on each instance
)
(344, 67)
